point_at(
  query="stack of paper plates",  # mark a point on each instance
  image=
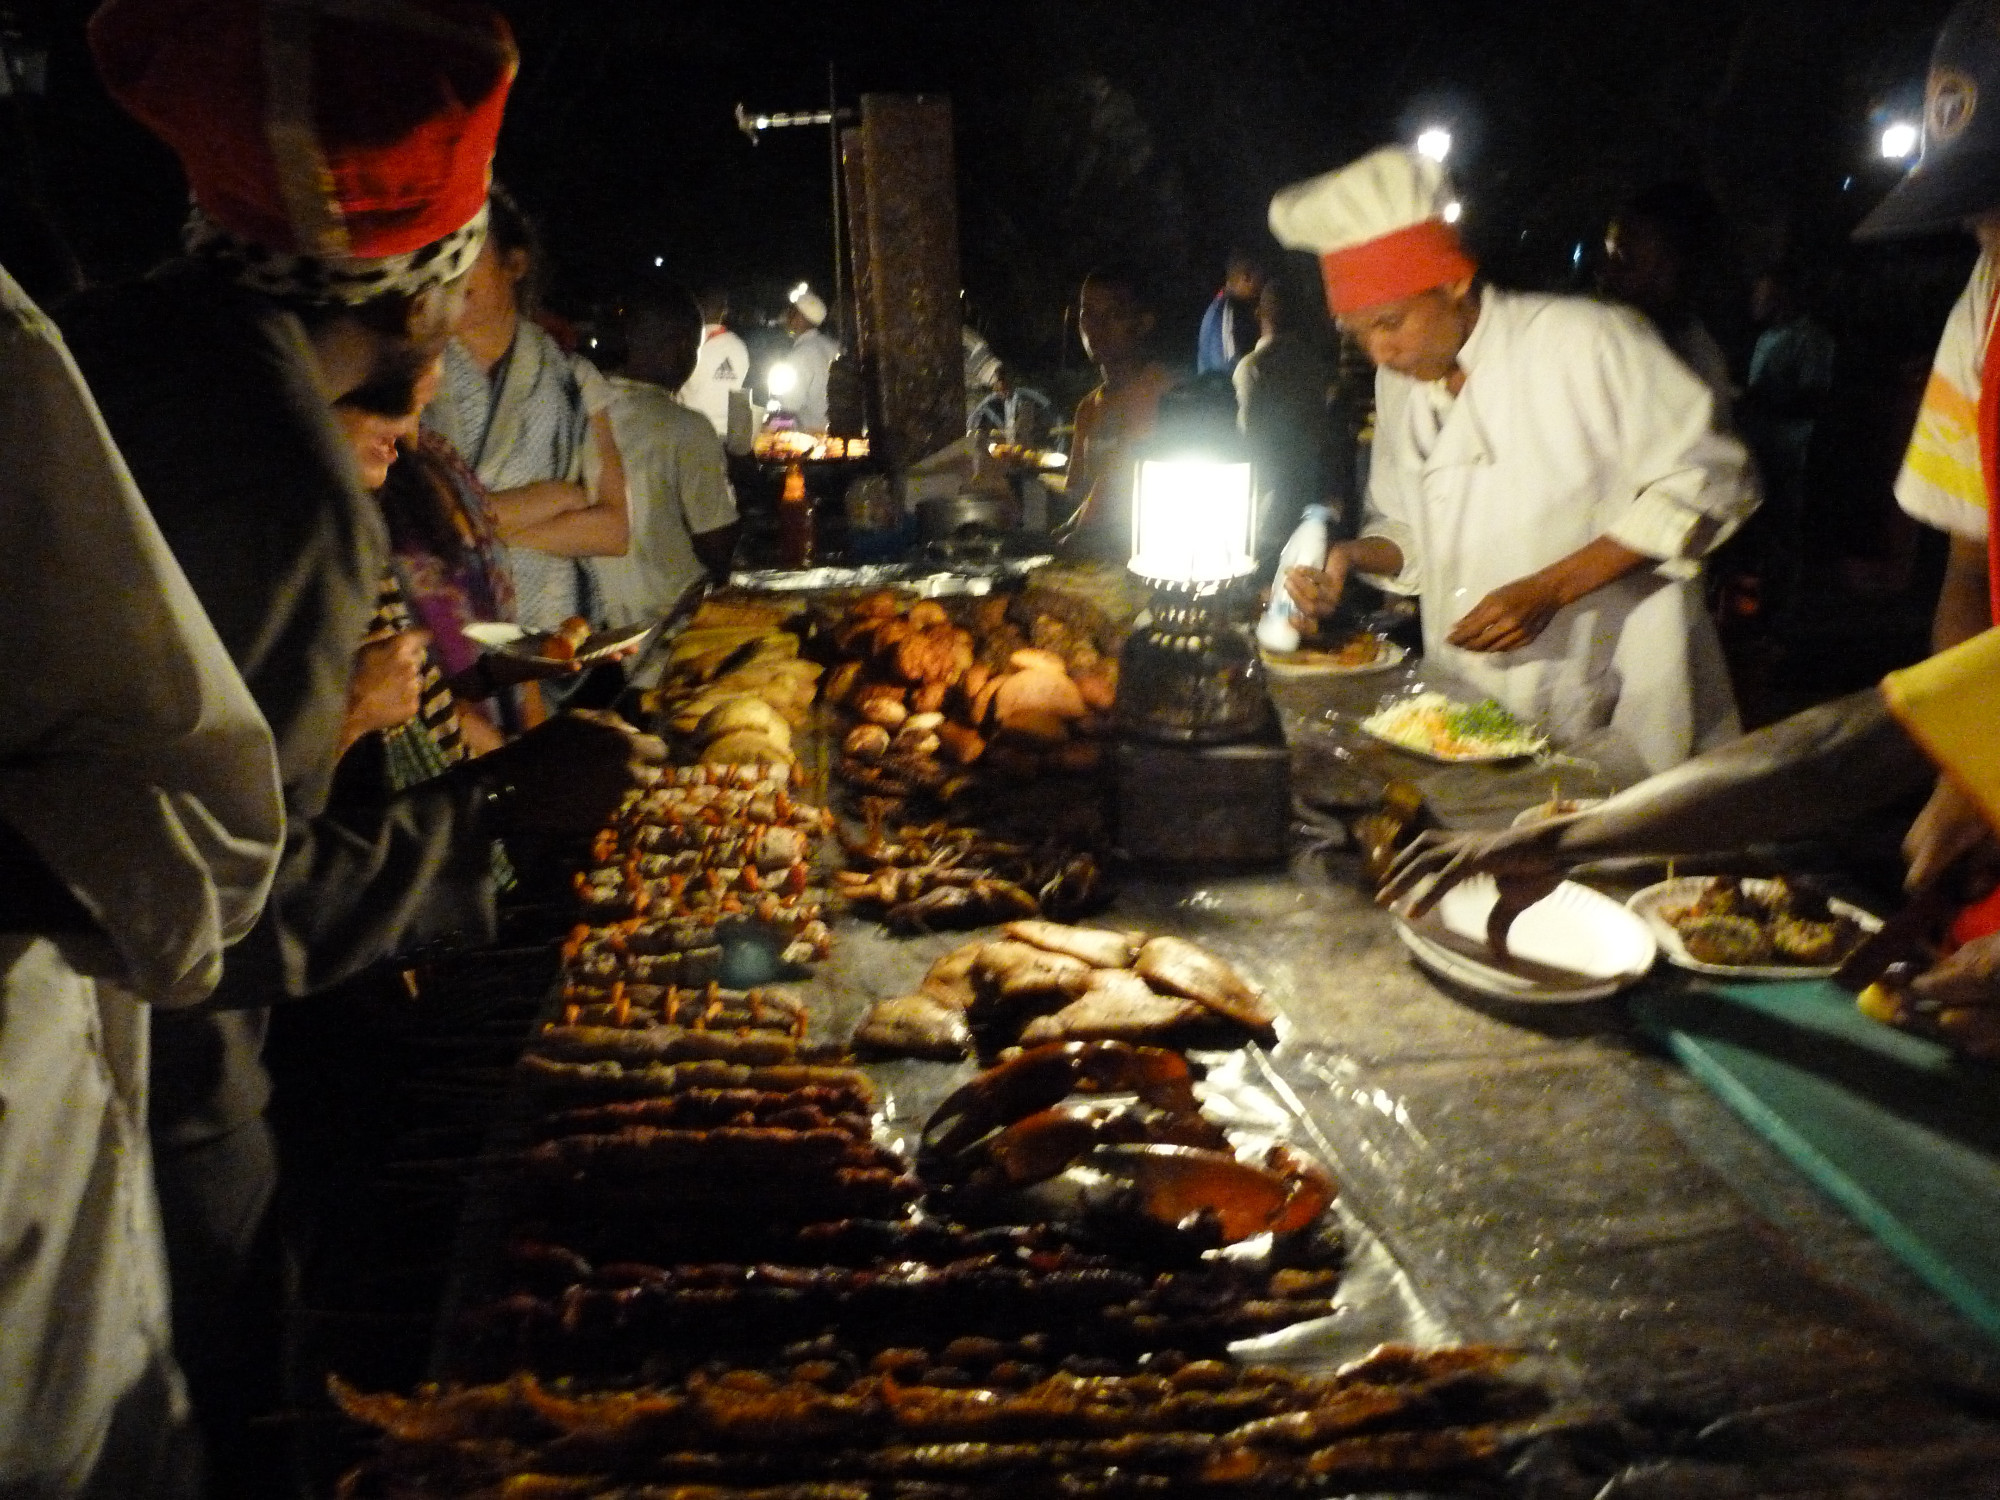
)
(1574, 944)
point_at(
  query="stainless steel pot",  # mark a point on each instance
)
(944, 517)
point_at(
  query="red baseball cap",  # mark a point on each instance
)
(342, 130)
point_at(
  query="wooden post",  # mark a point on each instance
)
(906, 278)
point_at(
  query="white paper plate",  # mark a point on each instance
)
(493, 634)
(512, 640)
(1575, 944)
(1278, 662)
(1653, 904)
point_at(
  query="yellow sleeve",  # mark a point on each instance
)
(1950, 704)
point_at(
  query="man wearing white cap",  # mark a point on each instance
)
(1546, 475)
(811, 357)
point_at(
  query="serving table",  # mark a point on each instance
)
(1545, 1177)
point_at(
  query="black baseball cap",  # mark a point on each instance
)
(1958, 174)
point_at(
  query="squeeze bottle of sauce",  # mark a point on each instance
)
(1279, 630)
(795, 521)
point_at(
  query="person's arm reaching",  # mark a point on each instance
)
(1515, 613)
(1317, 591)
(1807, 776)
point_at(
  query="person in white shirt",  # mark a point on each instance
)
(721, 365)
(811, 358)
(1546, 474)
(140, 826)
(676, 480)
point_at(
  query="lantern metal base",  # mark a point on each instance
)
(1189, 674)
(1205, 804)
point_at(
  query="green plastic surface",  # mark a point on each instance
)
(1901, 1134)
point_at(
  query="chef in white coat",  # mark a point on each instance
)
(1546, 475)
(140, 824)
(808, 363)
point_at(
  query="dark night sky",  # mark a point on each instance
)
(1088, 128)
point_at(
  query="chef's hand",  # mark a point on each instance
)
(568, 776)
(1525, 863)
(1317, 591)
(1509, 617)
(387, 687)
(1948, 827)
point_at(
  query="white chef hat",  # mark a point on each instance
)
(810, 305)
(1378, 228)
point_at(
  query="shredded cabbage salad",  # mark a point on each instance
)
(1433, 724)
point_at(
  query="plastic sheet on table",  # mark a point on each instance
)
(923, 579)
(1245, 1092)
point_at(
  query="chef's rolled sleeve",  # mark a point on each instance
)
(1405, 541)
(1692, 486)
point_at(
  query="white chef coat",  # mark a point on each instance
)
(135, 764)
(721, 366)
(677, 484)
(812, 355)
(1574, 422)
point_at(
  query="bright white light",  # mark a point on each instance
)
(1193, 521)
(658, 261)
(1453, 211)
(763, 122)
(1435, 142)
(799, 291)
(782, 380)
(1899, 141)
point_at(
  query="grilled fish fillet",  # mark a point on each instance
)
(950, 978)
(1180, 968)
(919, 1025)
(1118, 1005)
(1095, 946)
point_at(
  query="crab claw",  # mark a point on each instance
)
(1178, 1183)
(1312, 1188)
(1042, 1077)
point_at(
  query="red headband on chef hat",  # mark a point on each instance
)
(355, 133)
(1377, 226)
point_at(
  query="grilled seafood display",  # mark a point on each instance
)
(1740, 922)
(954, 707)
(1013, 1125)
(1045, 982)
(711, 1230)
(708, 850)
(937, 875)
(942, 703)
(817, 1429)
(616, 1319)
(708, 1007)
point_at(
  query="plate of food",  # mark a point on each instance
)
(1741, 927)
(1442, 729)
(571, 644)
(1362, 651)
(1574, 945)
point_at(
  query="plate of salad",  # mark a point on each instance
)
(1442, 729)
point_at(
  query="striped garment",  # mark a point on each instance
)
(1942, 483)
(526, 421)
(431, 743)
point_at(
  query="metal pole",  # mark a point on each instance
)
(833, 163)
